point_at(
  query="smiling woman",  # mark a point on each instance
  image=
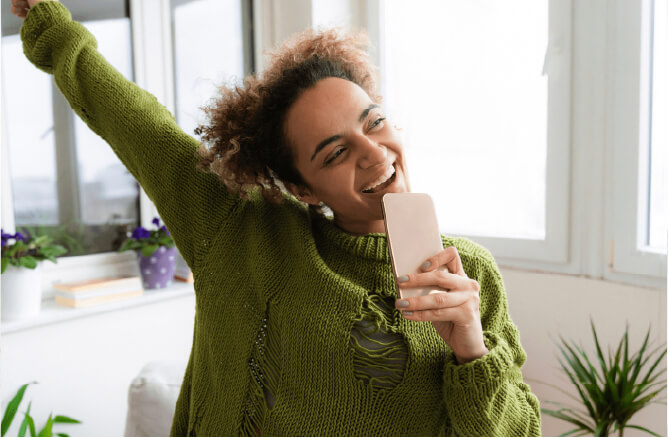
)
(298, 328)
(351, 170)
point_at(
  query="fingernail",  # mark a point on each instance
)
(426, 265)
(408, 312)
(403, 278)
(402, 303)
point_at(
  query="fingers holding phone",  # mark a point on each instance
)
(455, 314)
(431, 281)
(448, 260)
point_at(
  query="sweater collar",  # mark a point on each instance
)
(370, 246)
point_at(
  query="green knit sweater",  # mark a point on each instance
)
(295, 329)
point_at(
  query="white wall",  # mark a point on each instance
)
(545, 306)
(85, 366)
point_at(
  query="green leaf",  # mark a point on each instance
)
(31, 426)
(602, 429)
(24, 424)
(641, 428)
(572, 372)
(578, 429)
(128, 245)
(29, 262)
(583, 397)
(148, 250)
(64, 419)
(59, 250)
(41, 241)
(600, 356)
(46, 431)
(648, 378)
(63, 434)
(592, 370)
(560, 415)
(12, 407)
(166, 241)
(5, 264)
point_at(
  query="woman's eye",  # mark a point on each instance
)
(334, 155)
(376, 122)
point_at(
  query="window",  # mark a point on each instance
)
(480, 90)
(465, 82)
(65, 179)
(210, 50)
(637, 137)
(590, 199)
(34, 181)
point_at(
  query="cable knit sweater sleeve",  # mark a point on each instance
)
(141, 131)
(487, 397)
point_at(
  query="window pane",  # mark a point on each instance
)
(658, 217)
(66, 181)
(29, 133)
(465, 83)
(108, 193)
(208, 51)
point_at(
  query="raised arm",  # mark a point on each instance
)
(141, 131)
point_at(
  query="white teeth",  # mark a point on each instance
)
(387, 175)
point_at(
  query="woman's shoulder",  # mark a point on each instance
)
(254, 207)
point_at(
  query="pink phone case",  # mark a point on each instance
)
(412, 233)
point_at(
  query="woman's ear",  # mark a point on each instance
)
(302, 193)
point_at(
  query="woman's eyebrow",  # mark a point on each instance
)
(324, 143)
(366, 111)
(328, 140)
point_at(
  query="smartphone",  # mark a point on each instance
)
(412, 234)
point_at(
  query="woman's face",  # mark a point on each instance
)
(346, 152)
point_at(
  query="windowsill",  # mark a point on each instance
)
(52, 313)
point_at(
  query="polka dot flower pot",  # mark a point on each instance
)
(157, 270)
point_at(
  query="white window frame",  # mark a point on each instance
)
(628, 135)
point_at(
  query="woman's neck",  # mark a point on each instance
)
(361, 228)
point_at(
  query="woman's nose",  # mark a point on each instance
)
(370, 153)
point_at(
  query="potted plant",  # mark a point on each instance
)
(612, 392)
(21, 273)
(156, 253)
(28, 423)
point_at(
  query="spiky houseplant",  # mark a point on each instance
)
(612, 392)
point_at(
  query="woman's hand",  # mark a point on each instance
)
(455, 314)
(20, 7)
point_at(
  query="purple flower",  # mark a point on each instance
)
(141, 233)
(5, 237)
(164, 228)
(156, 222)
(17, 237)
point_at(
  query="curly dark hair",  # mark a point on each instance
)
(243, 139)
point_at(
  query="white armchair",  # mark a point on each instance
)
(152, 398)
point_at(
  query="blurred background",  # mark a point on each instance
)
(543, 123)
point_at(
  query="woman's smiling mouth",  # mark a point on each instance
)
(382, 182)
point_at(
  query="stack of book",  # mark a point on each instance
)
(97, 291)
